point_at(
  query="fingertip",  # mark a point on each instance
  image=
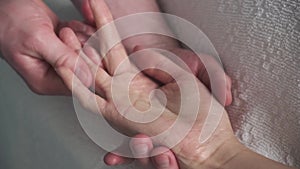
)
(228, 91)
(87, 12)
(163, 158)
(68, 36)
(141, 145)
(112, 159)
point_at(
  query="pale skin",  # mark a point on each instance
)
(154, 41)
(27, 39)
(32, 57)
(129, 7)
(222, 150)
(34, 50)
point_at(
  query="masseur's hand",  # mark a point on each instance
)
(30, 45)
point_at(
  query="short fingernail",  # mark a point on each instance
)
(162, 162)
(140, 149)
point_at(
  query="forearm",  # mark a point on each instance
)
(122, 8)
(250, 160)
(234, 155)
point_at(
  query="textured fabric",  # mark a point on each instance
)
(259, 44)
(258, 41)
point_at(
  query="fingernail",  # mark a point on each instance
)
(162, 161)
(140, 149)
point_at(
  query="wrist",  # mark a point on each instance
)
(215, 157)
(248, 159)
(224, 155)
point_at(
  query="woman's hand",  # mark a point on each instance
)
(222, 82)
(190, 151)
(29, 43)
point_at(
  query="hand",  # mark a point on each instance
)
(141, 145)
(190, 152)
(30, 45)
(83, 7)
(199, 67)
(167, 159)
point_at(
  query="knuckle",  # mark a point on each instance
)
(62, 60)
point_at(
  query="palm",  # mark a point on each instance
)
(121, 101)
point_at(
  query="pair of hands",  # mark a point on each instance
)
(190, 152)
(32, 46)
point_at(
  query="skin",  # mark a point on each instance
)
(183, 152)
(30, 45)
(33, 57)
(221, 150)
(153, 41)
(35, 32)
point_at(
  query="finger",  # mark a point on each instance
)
(221, 88)
(83, 38)
(108, 37)
(157, 66)
(68, 36)
(113, 159)
(101, 12)
(141, 146)
(55, 52)
(117, 157)
(87, 12)
(228, 91)
(157, 74)
(83, 31)
(93, 55)
(209, 72)
(81, 27)
(102, 80)
(85, 96)
(101, 77)
(215, 78)
(163, 158)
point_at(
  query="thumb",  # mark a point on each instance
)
(56, 53)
